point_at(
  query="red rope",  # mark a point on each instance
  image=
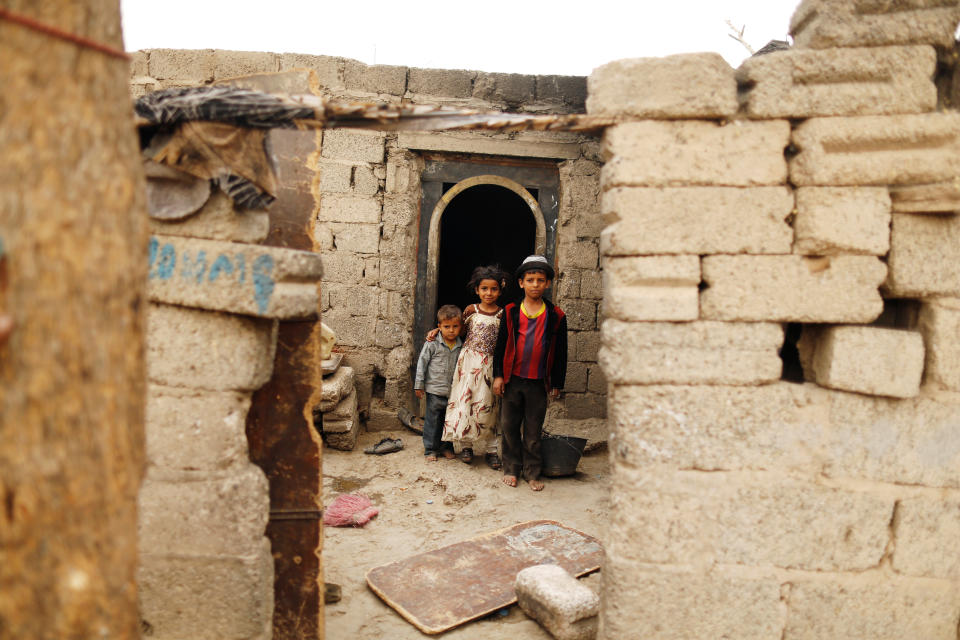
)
(30, 23)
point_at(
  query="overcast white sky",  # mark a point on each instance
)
(518, 36)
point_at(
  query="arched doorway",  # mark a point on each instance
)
(483, 224)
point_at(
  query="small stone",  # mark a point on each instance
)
(554, 598)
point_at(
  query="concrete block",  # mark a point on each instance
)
(588, 345)
(926, 531)
(576, 379)
(825, 24)
(329, 69)
(876, 150)
(697, 220)
(208, 350)
(447, 83)
(377, 78)
(706, 519)
(582, 254)
(218, 220)
(231, 64)
(567, 286)
(396, 273)
(224, 515)
(335, 176)
(889, 609)
(189, 429)
(356, 238)
(924, 253)
(341, 418)
(335, 387)
(581, 315)
(649, 601)
(554, 598)
(591, 285)
(207, 597)
(139, 61)
(585, 406)
(691, 352)
(871, 360)
(803, 83)
(790, 427)
(389, 334)
(343, 432)
(188, 66)
(239, 278)
(566, 90)
(597, 380)
(687, 85)
(682, 153)
(927, 198)
(792, 288)
(939, 323)
(842, 221)
(342, 267)
(351, 330)
(353, 145)
(512, 89)
(337, 208)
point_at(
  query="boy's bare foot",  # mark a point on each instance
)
(536, 485)
(431, 457)
(510, 481)
(449, 455)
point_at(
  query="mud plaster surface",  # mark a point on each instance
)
(466, 501)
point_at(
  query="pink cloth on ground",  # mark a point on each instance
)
(349, 510)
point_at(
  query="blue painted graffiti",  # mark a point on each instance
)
(197, 269)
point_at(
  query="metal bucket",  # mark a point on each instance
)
(560, 454)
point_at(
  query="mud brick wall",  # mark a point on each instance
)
(369, 190)
(782, 307)
(206, 569)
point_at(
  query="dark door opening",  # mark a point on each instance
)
(485, 224)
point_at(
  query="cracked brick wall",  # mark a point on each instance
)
(782, 328)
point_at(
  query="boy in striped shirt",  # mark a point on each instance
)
(529, 362)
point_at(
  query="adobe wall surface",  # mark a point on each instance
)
(758, 494)
(369, 190)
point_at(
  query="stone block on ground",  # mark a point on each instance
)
(190, 429)
(697, 220)
(690, 85)
(870, 360)
(344, 432)
(221, 515)
(927, 198)
(842, 221)
(208, 349)
(340, 419)
(691, 352)
(678, 517)
(804, 83)
(335, 386)
(924, 254)
(651, 288)
(940, 325)
(381, 417)
(825, 24)
(238, 278)
(841, 289)
(876, 150)
(926, 532)
(683, 153)
(653, 601)
(217, 219)
(889, 609)
(554, 598)
(187, 596)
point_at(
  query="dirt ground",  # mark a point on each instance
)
(424, 506)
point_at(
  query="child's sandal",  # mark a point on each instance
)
(466, 456)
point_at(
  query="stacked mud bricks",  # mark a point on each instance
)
(812, 190)
(369, 190)
(216, 296)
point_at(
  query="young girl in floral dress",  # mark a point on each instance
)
(471, 414)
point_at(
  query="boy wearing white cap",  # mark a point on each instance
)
(529, 362)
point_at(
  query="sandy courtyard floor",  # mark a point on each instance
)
(465, 501)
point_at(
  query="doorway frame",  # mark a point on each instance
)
(511, 173)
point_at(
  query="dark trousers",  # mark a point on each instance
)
(433, 425)
(521, 423)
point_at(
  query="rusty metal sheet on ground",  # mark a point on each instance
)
(439, 590)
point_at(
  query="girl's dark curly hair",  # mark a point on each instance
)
(489, 272)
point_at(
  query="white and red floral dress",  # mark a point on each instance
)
(471, 412)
